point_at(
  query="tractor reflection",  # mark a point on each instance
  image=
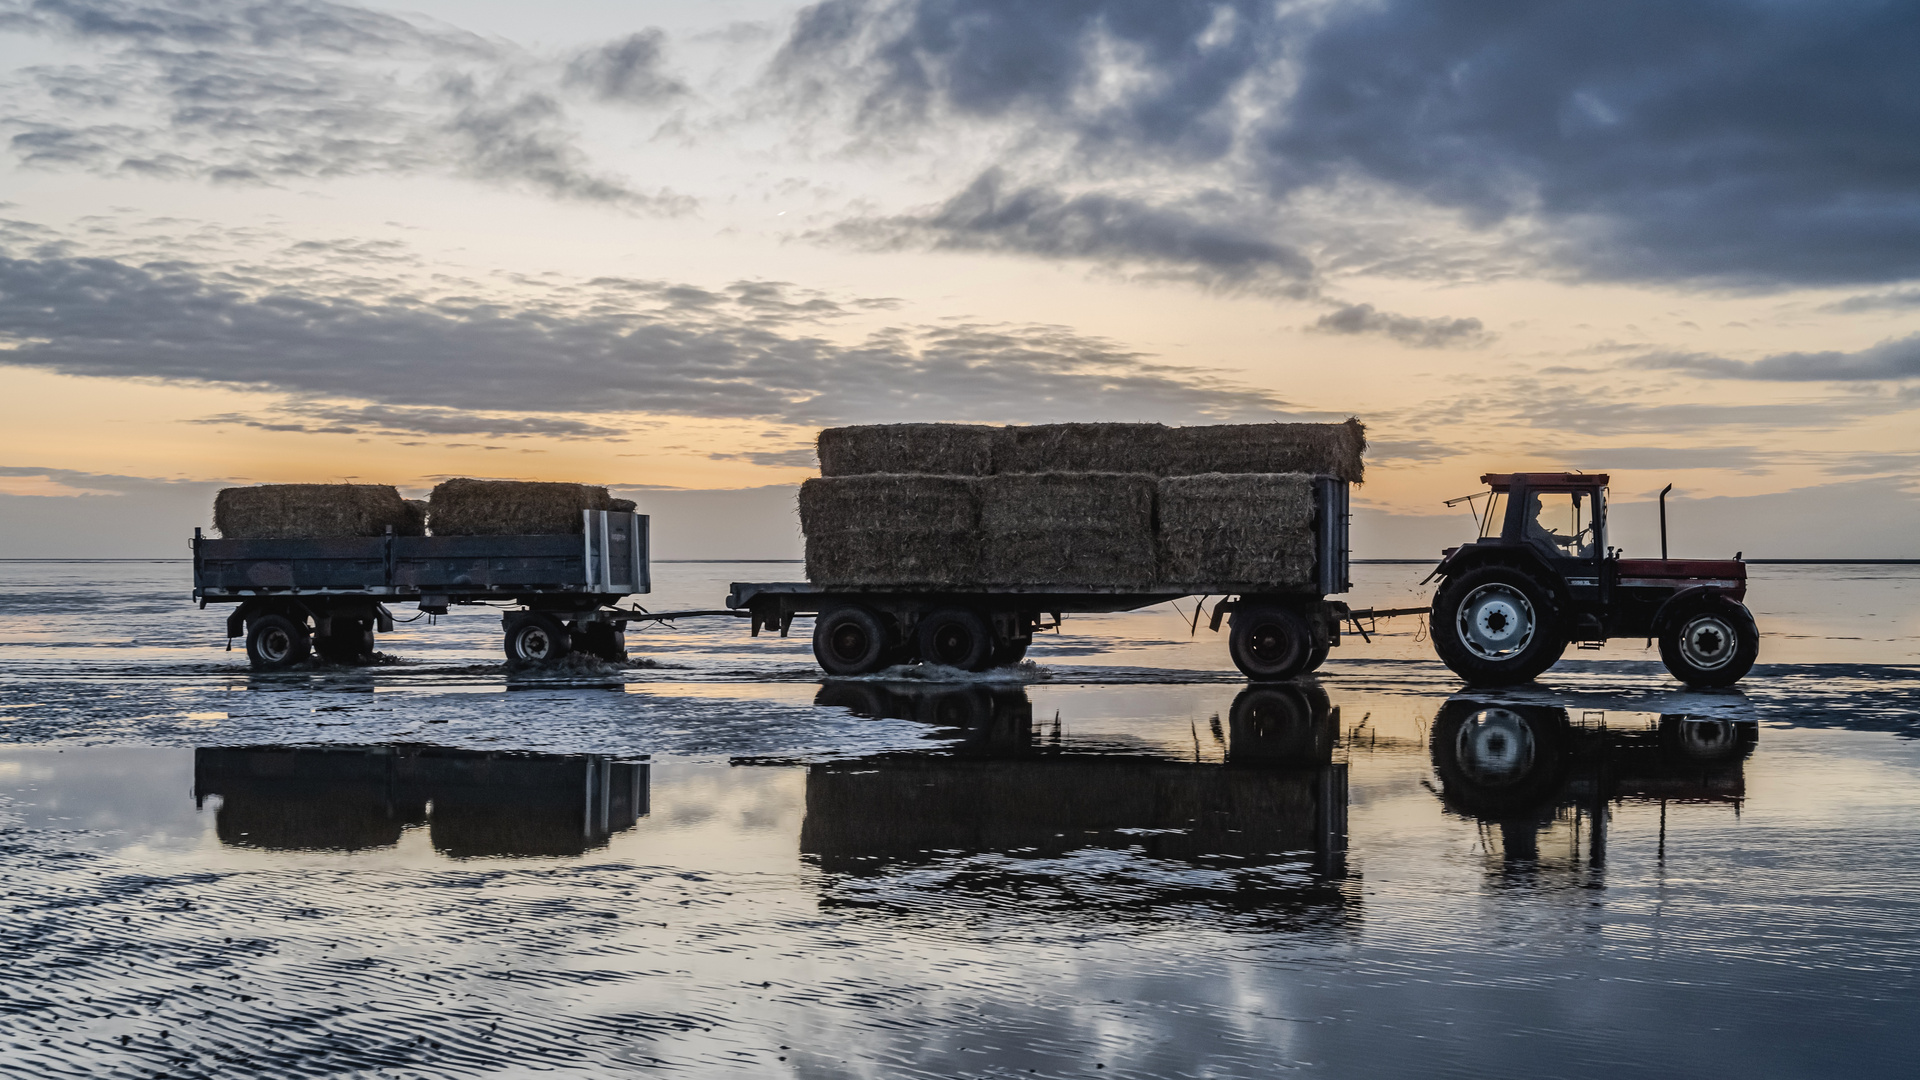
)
(1545, 787)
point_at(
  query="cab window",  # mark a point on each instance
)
(1562, 521)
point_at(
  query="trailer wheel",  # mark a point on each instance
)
(957, 638)
(350, 643)
(534, 637)
(1322, 645)
(1270, 642)
(603, 641)
(1712, 642)
(1290, 724)
(276, 643)
(849, 641)
(1496, 626)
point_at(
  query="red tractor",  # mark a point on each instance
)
(1541, 577)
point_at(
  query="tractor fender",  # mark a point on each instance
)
(1472, 557)
(1678, 602)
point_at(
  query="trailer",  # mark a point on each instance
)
(1277, 630)
(295, 598)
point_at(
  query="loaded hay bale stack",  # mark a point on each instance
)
(929, 449)
(311, 512)
(891, 529)
(1241, 529)
(464, 507)
(1336, 450)
(1067, 528)
(1086, 448)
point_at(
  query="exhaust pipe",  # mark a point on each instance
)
(1663, 521)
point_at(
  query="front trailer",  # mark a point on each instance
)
(1276, 630)
(294, 598)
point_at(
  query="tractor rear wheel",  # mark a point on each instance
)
(1711, 642)
(1270, 642)
(1496, 626)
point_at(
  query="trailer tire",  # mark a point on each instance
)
(957, 638)
(535, 638)
(849, 640)
(276, 642)
(1270, 642)
(1289, 724)
(1322, 645)
(1712, 642)
(1010, 651)
(603, 641)
(1496, 626)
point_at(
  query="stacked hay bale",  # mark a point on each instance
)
(1117, 506)
(463, 507)
(313, 512)
(888, 529)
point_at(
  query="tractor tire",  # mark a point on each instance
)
(1496, 626)
(276, 643)
(957, 638)
(1270, 643)
(1711, 642)
(1500, 761)
(849, 640)
(535, 639)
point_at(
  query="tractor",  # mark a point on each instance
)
(1541, 577)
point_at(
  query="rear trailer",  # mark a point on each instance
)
(1276, 631)
(295, 598)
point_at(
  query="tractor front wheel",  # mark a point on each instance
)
(1496, 626)
(1712, 642)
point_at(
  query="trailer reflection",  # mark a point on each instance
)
(1529, 771)
(474, 804)
(1010, 817)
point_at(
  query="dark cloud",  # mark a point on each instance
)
(1199, 240)
(1889, 360)
(238, 92)
(1896, 300)
(322, 418)
(1739, 141)
(752, 350)
(631, 70)
(1421, 333)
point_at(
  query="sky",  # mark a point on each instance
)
(658, 246)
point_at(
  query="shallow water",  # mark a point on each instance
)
(1118, 861)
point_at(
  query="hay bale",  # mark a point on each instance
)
(937, 449)
(1067, 529)
(890, 529)
(1321, 449)
(309, 511)
(1086, 448)
(465, 507)
(622, 506)
(1244, 529)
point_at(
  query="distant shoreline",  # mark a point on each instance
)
(1357, 562)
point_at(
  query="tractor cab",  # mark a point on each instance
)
(1560, 516)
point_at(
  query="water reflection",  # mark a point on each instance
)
(473, 804)
(1530, 771)
(1011, 815)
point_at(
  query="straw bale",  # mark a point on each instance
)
(1248, 529)
(890, 529)
(622, 506)
(938, 449)
(1084, 528)
(309, 511)
(1322, 449)
(1083, 448)
(465, 507)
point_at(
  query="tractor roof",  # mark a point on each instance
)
(1505, 481)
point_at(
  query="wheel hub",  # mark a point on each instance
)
(1496, 622)
(275, 644)
(535, 644)
(1707, 642)
(849, 643)
(1495, 747)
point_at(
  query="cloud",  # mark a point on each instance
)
(1896, 300)
(1889, 360)
(1722, 141)
(1421, 333)
(631, 70)
(752, 350)
(323, 418)
(1193, 240)
(231, 91)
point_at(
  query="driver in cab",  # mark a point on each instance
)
(1565, 508)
